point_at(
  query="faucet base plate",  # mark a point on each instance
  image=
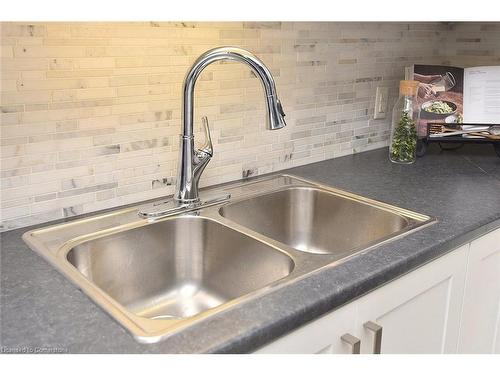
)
(171, 206)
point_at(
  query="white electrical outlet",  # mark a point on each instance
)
(381, 99)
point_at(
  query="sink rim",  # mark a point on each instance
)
(144, 330)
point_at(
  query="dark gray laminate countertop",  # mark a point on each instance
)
(41, 309)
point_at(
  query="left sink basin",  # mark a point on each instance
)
(154, 276)
(179, 267)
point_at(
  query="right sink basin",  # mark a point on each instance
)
(319, 221)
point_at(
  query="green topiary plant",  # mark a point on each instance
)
(404, 140)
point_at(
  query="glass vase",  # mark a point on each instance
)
(403, 139)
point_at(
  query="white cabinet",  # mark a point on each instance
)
(480, 329)
(419, 312)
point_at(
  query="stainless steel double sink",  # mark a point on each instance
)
(157, 276)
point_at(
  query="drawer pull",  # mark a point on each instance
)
(353, 342)
(377, 335)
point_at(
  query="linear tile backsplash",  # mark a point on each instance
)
(91, 112)
(472, 44)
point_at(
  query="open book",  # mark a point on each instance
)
(457, 95)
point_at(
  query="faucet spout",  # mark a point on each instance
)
(190, 164)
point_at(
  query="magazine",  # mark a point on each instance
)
(456, 95)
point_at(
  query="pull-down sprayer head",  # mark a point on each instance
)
(275, 114)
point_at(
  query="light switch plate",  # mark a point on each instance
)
(381, 99)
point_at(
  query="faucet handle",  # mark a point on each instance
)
(207, 147)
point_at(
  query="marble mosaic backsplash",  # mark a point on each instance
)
(91, 112)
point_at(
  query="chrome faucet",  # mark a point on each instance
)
(192, 162)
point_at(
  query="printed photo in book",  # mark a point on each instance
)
(452, 95)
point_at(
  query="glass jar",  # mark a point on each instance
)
(403, 141)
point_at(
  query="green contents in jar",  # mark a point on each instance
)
(404, 141)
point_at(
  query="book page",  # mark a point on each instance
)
(439, 95)
(482, 94)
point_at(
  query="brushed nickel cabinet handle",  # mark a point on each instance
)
(353, 342)
(377, 335)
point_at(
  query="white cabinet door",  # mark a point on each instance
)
(480, 331)
(419, 312)
(323, 335)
